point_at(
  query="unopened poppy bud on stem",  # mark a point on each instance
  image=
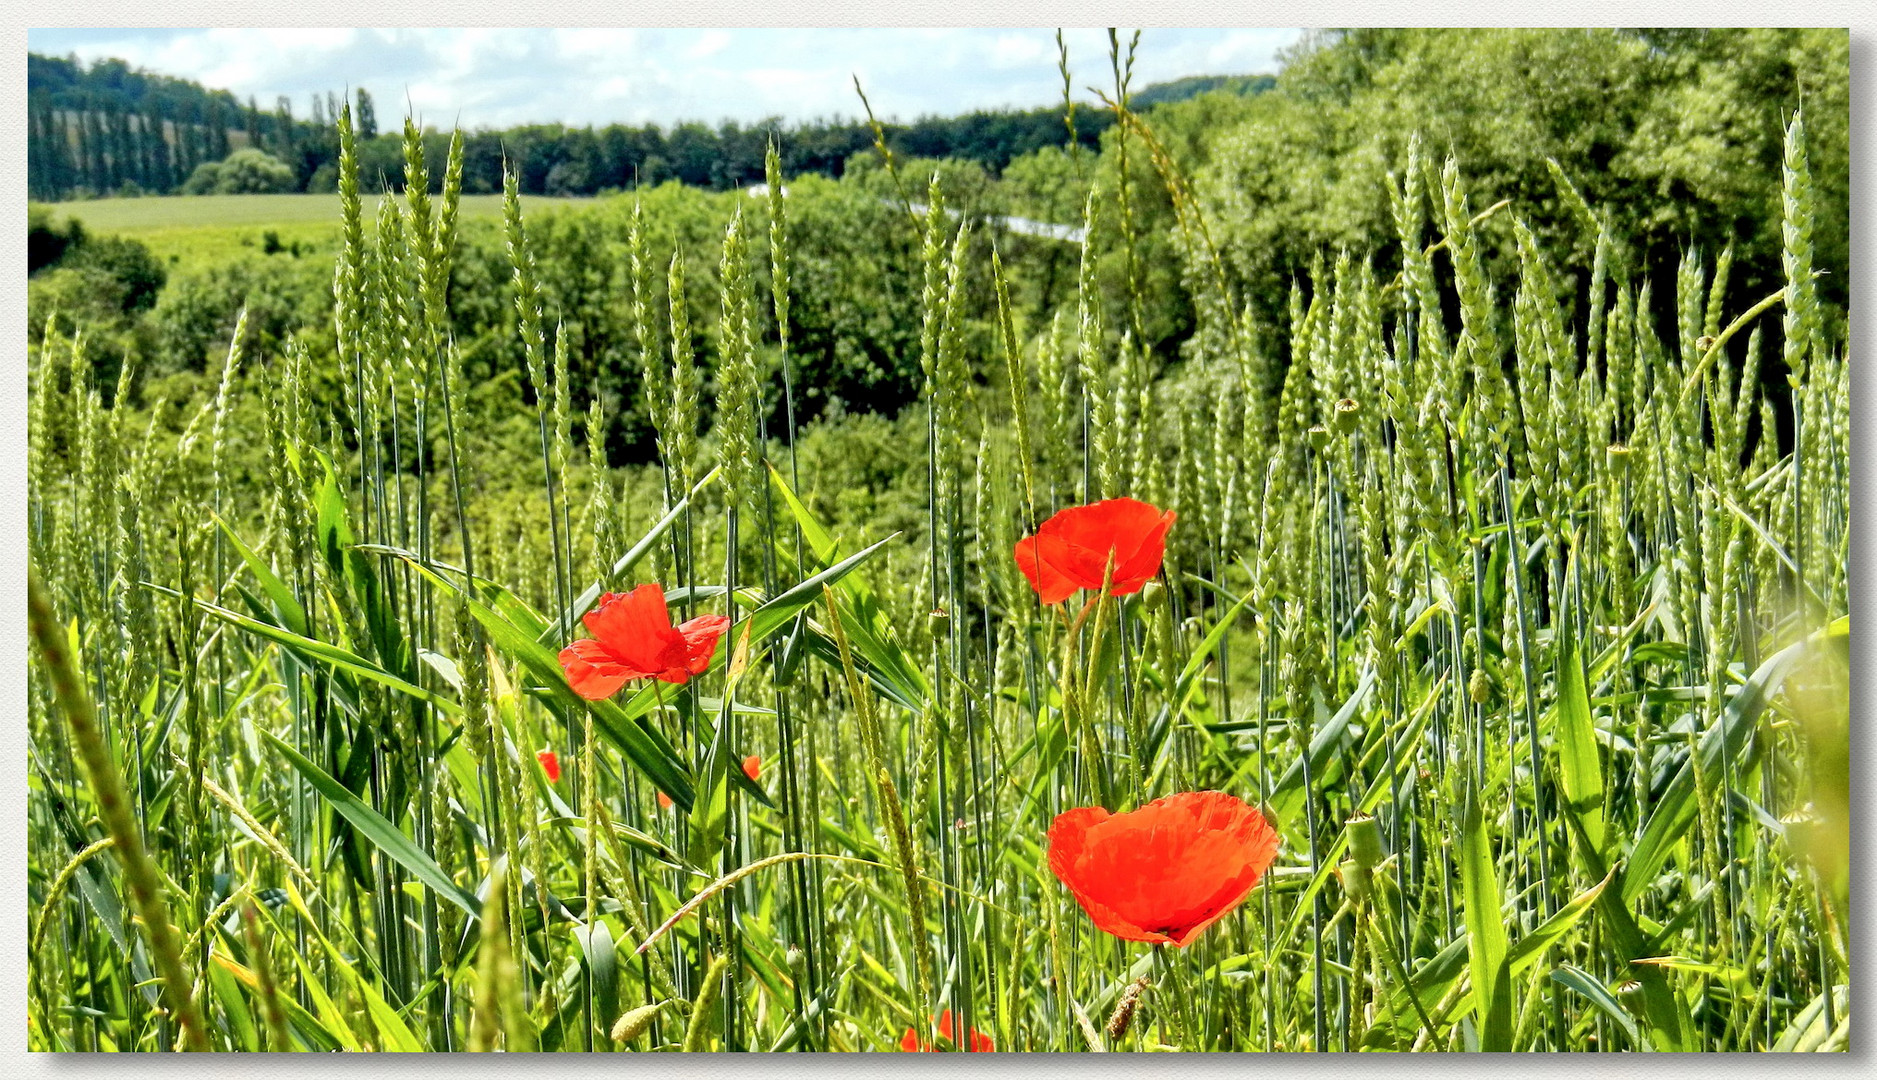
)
(1348, 411)
(1365, 841)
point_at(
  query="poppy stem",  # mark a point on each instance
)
(1074, 706)
(1167, 974)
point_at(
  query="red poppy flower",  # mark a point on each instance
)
(664, 801)
(633, 639)
(550, 764)
(1166, 871)
(980, 1042)
(753, 768)
(1073, 549)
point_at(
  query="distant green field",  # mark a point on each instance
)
(187, 228)
(153, 214)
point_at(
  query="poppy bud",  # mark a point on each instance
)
(633, 1024)
(1348, 411)
(797, 960)
(1152, 595)
(1619, 458)
(1365, 841)
(1630, 994)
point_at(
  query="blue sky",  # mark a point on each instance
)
(497, 77)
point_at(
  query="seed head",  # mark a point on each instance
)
(1479, 687)
(633, 1024)
(1123, 1014)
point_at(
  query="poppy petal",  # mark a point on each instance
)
(1109, 524)
(1120, 540)
(593, 671)
(635, 627)
(1144, 564)
(1076, 562)
(1046, 577)
(980, 1042)
(622, 616)
(699, 637)
(1165, 871)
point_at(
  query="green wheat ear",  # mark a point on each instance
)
(114, 806)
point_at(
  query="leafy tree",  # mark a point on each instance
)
(47, 241)
(247, 171)
(367, 115)
(203, 179)
(135, 277)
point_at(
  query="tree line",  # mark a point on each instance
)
(110, 129)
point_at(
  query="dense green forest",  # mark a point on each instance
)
(108, 129)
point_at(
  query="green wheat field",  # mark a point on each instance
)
(1506, 580)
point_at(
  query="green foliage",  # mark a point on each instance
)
(196, 312)
(247, 171)
(1675, 135)
(104, 284)
(124, 267)
(46, 241)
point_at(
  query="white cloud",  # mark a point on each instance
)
(1021, 50)
(709, 43)
(499, 77)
